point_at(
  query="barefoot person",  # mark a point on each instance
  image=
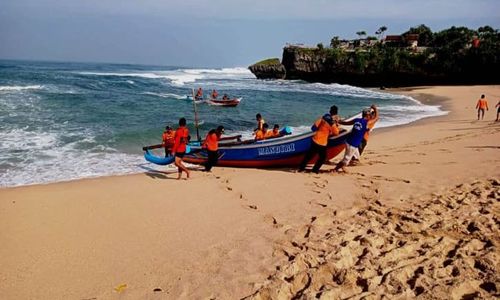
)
(323, 128)
(211, 144)
(179, 149)
(359, 127)
(481, 105)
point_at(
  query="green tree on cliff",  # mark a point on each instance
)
(335, 42)
(361, 34)
(425, 34)
(380, 32)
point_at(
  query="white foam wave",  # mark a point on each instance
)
(167, 95)
(9, 88)
(45, 158)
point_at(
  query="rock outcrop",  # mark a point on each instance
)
(268, 69)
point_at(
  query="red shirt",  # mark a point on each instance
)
(180, 140)
(212, 142)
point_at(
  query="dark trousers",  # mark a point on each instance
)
(362, 146)
(315, 149)
(213, 158)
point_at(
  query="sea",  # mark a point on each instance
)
(66, 121)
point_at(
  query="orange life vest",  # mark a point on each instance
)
(211, 142)
(180, 140)
(324, 131)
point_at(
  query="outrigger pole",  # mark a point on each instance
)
(196, 117)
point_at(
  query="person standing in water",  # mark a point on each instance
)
(199, 94)
(214, 95)
(481, 105)
(181, 139)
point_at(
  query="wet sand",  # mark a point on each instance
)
(418, 217)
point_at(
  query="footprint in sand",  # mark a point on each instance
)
(411, 163)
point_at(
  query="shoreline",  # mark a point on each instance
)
(239, 233)
(434, 100)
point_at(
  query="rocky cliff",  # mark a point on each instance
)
(268, 69)
(390, 67)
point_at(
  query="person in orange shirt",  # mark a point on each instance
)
(211, 144)
(276, 132)
(181, 139)
(324, 127)
(263, 133)
(481, 105)
(168, 140)
(498, 110)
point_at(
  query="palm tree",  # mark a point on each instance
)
(361, 33)
(380, 32)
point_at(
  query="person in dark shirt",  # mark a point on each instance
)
(359, 127)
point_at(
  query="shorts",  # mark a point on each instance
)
(350, 152)
(180, 154)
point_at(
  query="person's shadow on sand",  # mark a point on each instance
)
(155, 174)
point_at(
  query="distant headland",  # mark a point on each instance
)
(454, 56)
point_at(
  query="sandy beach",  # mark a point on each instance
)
(420, 216)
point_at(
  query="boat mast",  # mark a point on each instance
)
(196, 117)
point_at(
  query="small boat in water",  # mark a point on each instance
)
(227, 103)
(218, 102)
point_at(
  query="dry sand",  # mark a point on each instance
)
(419, 217)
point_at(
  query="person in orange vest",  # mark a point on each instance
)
(181, 139)
(263, 133)
(214, 94)
(498, 110)
(199, 94)
(260, 122)
(323, 128)
(481, 105)
(168, 140)
(211, 144)
(276, 131)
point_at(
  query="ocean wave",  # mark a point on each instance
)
(9, 88)
(167, 95)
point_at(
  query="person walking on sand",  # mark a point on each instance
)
(323, 128)
(211, 144)
(359, 127)
(498, 110)
(481, 105)
(181, 139)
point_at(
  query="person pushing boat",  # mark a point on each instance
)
(359, 127)
(181, 138)
(323, 128)
(211, 144)
(168, 140)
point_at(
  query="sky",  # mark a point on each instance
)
(210, 33)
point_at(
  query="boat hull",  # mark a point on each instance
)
(280, 152)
